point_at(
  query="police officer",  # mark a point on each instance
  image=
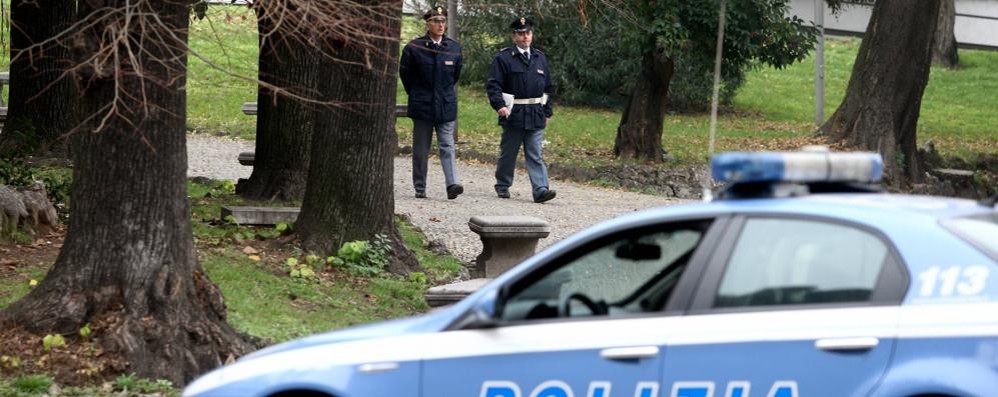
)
(519, 89)
(430, 68)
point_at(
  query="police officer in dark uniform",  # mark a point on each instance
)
(519, 88)
(429, 69)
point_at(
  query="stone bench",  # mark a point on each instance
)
(4, 80)
(250, 109)
(264, 216)
(506, 241)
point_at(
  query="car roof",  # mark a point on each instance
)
(911, 221)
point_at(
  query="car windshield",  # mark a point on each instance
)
(981, 231)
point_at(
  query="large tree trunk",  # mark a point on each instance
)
(42, 103)
(128, 266)
(944, 45)
(639, 135)
(350, 194)
(284, 124)
(884, 97)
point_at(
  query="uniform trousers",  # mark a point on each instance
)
(509, 147)
(422, 137)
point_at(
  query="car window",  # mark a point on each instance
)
(980, 231)
(792, 262)
(628, 273)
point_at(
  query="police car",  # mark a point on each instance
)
(799, 279)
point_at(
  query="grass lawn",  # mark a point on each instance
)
(775, 108)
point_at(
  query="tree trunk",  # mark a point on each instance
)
(639, 135)
(884, 97)
(42, 102)
(128, 266)
(944, 45)
(284, 124)
(350, 194)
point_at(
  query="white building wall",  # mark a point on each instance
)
(976, 20)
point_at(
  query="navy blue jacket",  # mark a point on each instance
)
(429, 74)
(512, 73)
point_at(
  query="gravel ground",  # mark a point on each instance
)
(446, 221)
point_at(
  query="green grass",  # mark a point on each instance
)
(221, 71)
(774, 110)
(957, 108)
(265, 301)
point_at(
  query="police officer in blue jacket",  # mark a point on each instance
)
(430, 68)
(519, 88)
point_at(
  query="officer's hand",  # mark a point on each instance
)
(503, 112)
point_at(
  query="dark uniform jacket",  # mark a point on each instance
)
(429, 74)
(512, 73)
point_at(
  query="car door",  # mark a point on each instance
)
(587, 323)
(789, 307)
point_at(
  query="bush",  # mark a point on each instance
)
(594, 61)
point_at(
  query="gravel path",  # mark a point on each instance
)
(446, 221)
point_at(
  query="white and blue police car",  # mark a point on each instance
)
(799, 279)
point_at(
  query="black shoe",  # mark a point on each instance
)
(420, 194)
(502, 193)
(546, 196)
(454, 190)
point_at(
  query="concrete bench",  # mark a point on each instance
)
(250, 109)
(266, 216)
(506, 241)
(4, 80)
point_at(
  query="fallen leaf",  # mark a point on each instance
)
(254, 258)
(250, 250)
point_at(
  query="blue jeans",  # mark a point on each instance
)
(422, 137)
(509, 147)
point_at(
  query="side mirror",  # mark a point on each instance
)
(484, 313)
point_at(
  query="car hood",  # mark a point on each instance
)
(410, 325)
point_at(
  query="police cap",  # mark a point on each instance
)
(522, 24)
(437, 13)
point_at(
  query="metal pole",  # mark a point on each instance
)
(718, 57)
(819, 64)
(717, 78)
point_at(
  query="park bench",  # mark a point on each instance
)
(263, 216)
(506, 241)
(4, 80)
(249, 108)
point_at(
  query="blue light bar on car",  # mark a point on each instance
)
(743, 167)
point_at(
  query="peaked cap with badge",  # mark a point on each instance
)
(437, 13)
(522, 24)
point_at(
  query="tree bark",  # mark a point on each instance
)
(128, 266)
(639, 135)
(42, 105)
(284, 124)
(350, 193)
(944, 44)
(882, 102)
